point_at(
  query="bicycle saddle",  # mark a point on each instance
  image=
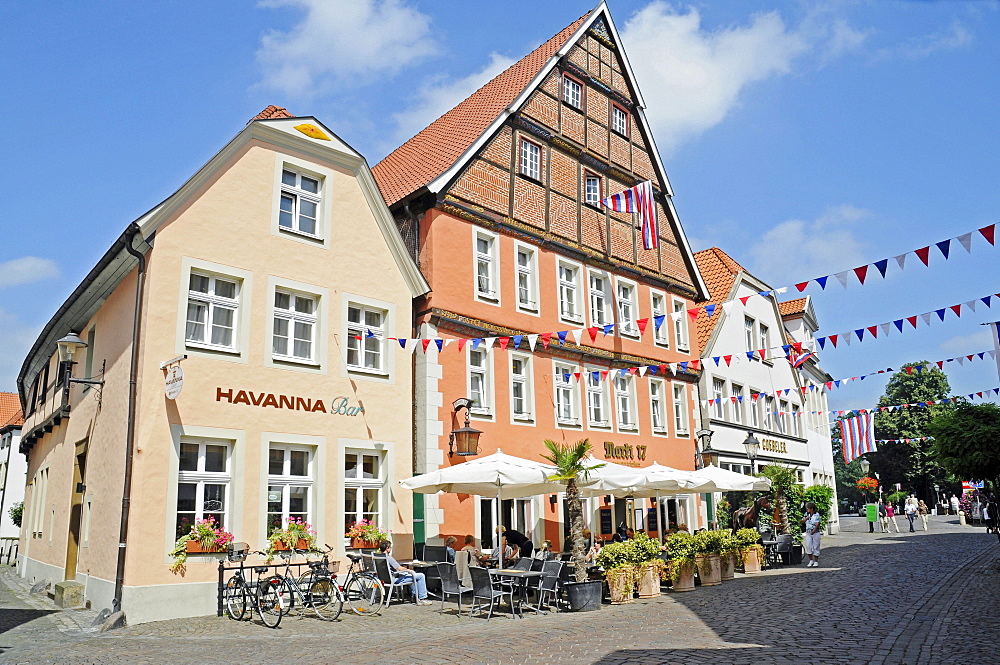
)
(354, 557)
(260, 569)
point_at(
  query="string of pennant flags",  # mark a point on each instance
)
(982, 394)
(918, 438)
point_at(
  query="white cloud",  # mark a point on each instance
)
(947, 39)
(15, 340)
(342, 42)
(981, 340)
(439, 95)
(26, 270)
(803, 249)
(692, 78)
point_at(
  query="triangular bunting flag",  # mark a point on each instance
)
(608, 329)
(924, 254)
(842, 277)
(532, 342)
(926, 316)
(966, 241)
(940, 313)
(822, 281)
(488, 342)
(693, 313)
(873, 331)
(945, 247)
(504, 341)
(728, 359)
(957, 309)
(881, 266)
(912, 321)
(987, 232)
(710, 310)
(562, 337)
(833, 340)
(861, 272)
(461, 344)
(886, 327)
(592, 331)
(971, 304)
(440, 344)
(658, 320)
(860, 332)
(642, 323)
(577, 334)
(801, 286)
(900, 260)
(744, 300)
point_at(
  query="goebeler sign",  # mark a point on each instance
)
(339, 406)
(771, 445)
(624, 451)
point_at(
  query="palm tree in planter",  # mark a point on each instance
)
(571, 467)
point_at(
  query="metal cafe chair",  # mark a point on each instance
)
(390, 581)
(548, 587)
(483, 590)
(450, 584)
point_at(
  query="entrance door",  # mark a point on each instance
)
(76, 511)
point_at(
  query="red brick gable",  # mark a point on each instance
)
(793, 307)
(10, 410)
(272, 112)
(719, 270)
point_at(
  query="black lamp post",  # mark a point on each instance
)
(752, 445)
(67, 346)
(865, 465)
(463, 441)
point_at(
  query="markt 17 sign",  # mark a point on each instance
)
(339, 406)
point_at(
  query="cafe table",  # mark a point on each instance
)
(522, 577)
(423, 567)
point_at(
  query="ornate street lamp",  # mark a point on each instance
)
(67, 346)
(463, 441)
(707, 456)
(752, 445)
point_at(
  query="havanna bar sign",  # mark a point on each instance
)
(624, 451)
(339, 406)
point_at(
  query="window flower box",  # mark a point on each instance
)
(195, 547)
(301, 544)
(362, 544)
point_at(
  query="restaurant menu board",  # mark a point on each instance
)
(871, 512)
(607, 526)
(651, 524)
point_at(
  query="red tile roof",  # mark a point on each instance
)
(10, 410)
(793, 307)
(719, 270)
(439, 145)
(272, 112)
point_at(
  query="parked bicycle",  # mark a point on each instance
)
(264, 595)
(315, 589)
(362, 589)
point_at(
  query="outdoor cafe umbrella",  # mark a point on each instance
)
(713, 479)
(497, 475)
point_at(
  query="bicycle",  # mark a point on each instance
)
(315, 588)
(362, 589)
(265, 594)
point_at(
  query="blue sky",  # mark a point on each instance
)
(803, 138)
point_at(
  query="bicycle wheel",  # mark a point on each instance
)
(365, 595)
(324, 598)
(272, 598)
(234, 596)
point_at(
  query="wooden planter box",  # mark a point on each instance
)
(362, 544)
(195, 547)
(302, 544)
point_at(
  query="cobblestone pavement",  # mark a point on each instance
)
(884, 599)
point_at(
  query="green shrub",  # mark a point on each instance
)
(16, 512)
(681, 546)
(644, 549)
(747, 537)
(615, 555)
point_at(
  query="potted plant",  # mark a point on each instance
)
(681, 550)
(297, 535)
(650, 567)
(707, 560)
(571, 467)
(364, 534)
(618, 561)
(206, 536)
(730, 549)
(751, 550)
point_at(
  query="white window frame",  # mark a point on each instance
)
(768, 413)
(750, 334)
(681, 326)
(617, 113)
(572, 91)
(490, 262)
(628, 307)
(719, 397)
(566, 394)
(526, 278)
(484, 371)
(661, 335)
(522, 383)
(572, 287)
(199, 477)
(530, 159)
(782, 415)
(374, 345)
(212, 304)
(796, 420)
(285, 480)
(625, 412)
(298, 195)
(764, 333)
(755, 406)
(737, 392)
(597, 400)
(657, 406)
(357, 485)
(295, 318)
(680, 409)
(599, 300)
(592, 195)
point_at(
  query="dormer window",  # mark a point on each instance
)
(300, 196)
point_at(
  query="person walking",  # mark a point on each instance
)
(923, 511)
(954, 505)
(811, 538)
(911, 511)
(890, 517)
(883, 520)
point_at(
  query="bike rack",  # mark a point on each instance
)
(223, 568)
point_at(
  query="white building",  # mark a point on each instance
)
(13, 466)
(749, 386)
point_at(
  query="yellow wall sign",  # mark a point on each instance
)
(313, 132)
(774, 446)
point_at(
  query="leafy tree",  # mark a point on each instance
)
(912, 464)
(570, 462)
(16, 512)
(787, 493)
(967, 441)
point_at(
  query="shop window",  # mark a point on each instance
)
(289, 485)
(203, 480)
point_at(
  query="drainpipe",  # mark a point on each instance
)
(130, 430)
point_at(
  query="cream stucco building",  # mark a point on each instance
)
(273, 278)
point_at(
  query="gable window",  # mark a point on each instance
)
(619, 120)
(364, 338)
(718, 397)
(364, 482)
(486, 266)
(592, 189)
(796, 427)
(572, 91)
(626, 309)
(768, 412)
(738, 404)
(625, 401)
(213, 303)
(764, 337)
(300, 197)
(754, 410)
(659, 308)
(520, 387)
(527, 279)
(567, 408)
(569, 292)
(531, 159)
(480, 384)
(680, 326)
(599, 314)
(680, 410)
(656, 404)
(596, 401)
(203, 479)
(294, 329)
(748, 333)
(289, 484)
(783, 416)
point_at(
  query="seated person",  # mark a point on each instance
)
(592, 553)
(449, 548)
(545, 551)
(470, 546)
(510, 555)
(404, 574)
(517, 539)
